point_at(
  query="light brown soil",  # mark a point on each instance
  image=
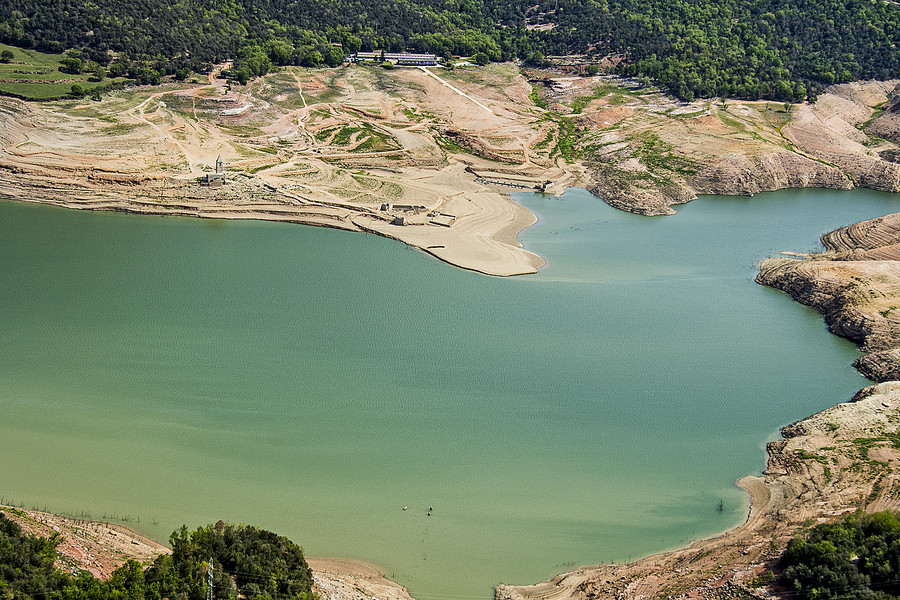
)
(355, 148)
(93, 546)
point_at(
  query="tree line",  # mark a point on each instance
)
(857, 558)
(247, 562)
(773, 49)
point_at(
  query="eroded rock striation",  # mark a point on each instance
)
(659, 156)
(855, 283)
(746, 175)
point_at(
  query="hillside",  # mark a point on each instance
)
(771, 49)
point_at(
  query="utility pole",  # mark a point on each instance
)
(209, 580)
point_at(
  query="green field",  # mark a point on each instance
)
(34, 75)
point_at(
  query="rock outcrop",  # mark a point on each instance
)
(856, 285)
(831, 131)
(649, 201)
(742, 174)
(880, 366)
(645, 162)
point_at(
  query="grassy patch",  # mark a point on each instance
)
(804, 455)
(544, 142)
(580, 102)
(536, 98)
(121, 128)
(566, 141)
(344, 135)
(732, 122)
(863, 445)
(33, 75)
(657, 156)
(243, 131)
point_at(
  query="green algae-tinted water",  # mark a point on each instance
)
(315, 382)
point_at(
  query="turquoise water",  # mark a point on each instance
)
(315, 382)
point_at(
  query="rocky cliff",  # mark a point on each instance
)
(747, 175)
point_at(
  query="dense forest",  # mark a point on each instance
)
(776, 49)
(857, 558)
(247, 563)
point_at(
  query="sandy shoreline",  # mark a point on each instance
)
(308, 163)
(425, 163)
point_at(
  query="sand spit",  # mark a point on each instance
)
(100, 548)
(818, 472)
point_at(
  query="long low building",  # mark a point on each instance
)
(403, 59)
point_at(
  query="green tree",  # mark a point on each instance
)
(76, 91)
(351, 44)
(6, 56)
(334, 56)
(858, 557)
(72, 65)
(313, 59)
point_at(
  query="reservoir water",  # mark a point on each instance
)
(314, 382)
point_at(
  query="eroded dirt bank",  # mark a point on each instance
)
(644, 153)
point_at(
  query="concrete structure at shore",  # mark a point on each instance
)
(401, 59)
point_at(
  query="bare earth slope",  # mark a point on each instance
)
(351, 148)
(644, 153)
